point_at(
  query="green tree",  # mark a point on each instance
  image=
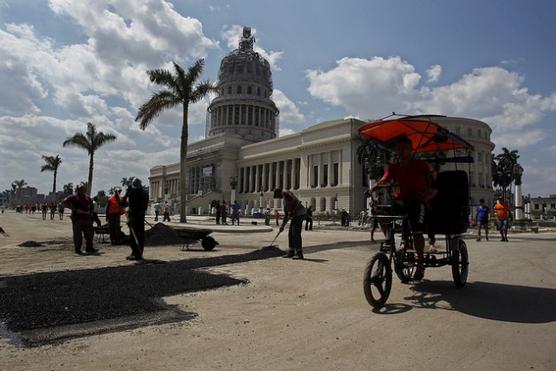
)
(91, 141)
(505, 169)
(68, 188)
(52, 163)
(181, 88)
(18, 184)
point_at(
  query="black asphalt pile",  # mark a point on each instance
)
(51, 299)
(30, 244)
(161, 234)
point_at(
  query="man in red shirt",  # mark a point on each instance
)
(81, 207)
(414, 179)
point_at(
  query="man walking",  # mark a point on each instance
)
(137, 199)
(294, 210)
(483, 212)
(236, 209)
(156, 208)
(309, 219)
(81, 207)
(166, 217)
(503, 215)
(224, 212)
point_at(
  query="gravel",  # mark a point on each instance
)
(161, 234)
(52, 299)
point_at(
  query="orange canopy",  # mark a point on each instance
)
(425, 135)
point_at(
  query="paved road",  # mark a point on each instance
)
(312, 314)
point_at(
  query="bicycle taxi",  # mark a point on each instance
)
(448, 214)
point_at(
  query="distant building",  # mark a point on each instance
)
(242, 150)
(544, 207)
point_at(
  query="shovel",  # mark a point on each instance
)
(274, 240)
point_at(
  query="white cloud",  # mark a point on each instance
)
(232, 35)
(289, 112)
(285, 131)
(434, 73)
(371, 87)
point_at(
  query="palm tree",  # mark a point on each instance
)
(52, 163)
(504, 167)
(180, 88)
(68, 188)
(19, 184)
(91, 141)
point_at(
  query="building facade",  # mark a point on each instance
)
(243, 159)
(542, 207)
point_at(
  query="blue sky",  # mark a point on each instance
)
(63, 63)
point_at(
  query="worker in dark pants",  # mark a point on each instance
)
(294, 210)
(309, 219)
(81, 207)
(137, 200)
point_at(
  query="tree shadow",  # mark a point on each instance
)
(494, 301)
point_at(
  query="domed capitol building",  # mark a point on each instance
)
(243, 159)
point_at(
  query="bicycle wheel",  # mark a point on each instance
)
(377, 280)
(403, 268)
(460, 262)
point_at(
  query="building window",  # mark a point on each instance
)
(249, 68)
(324, 175)
(240, 68)
(536, 206)
(544, 206)
(553, 206)
(236, 114)
(259, 92)
(239, 89)
(229, 90)
(335, 174)
(315, 176)
(469, 132)
(249, 90)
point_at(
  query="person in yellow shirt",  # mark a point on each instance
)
(503, 215)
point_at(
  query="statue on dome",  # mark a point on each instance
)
(247, 39)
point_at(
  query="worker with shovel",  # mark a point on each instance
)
(294, 210)
(137, 199)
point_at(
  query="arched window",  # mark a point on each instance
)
(239, 89)
(249, 90)
(322, 204)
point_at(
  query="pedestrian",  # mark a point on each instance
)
(96, 211)
(277, 216)
(52, 208)
(44, 209)
(224, 212)
(156, 208)
(503, 216)
(81, 207)
(166, 217)
(217, 210)
(33, 209)
(309, 219)
(236, 211)
(481, 218)
(294, 210)
(114, 212)
(373, 220)
(267, 216)
(137, 199)
(61, 210)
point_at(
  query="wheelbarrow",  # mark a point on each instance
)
(192, 236)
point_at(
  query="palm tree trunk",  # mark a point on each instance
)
(183, 163)
(54, 184)
(90, 180)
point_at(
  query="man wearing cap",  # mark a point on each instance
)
(137, 200)
(81, 207)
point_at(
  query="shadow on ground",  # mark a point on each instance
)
(45, 300)
(494, 301)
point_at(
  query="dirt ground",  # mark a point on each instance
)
(311, 314)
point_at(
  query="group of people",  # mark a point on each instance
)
(45, 209)
(503, 217)
(166, 210)
(84, 212)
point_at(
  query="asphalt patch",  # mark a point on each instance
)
(34, 305)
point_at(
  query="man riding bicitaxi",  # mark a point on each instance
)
(414, 178)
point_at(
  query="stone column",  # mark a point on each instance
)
(277, 175)
(330, 169)
(257, 173)
(518, 203)
(303, 166)
(292, 174)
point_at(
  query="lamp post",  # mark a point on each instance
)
(233, 185)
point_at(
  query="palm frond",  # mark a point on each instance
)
(202, 90)
(153, 107)
(193, 72)
(102, 138)
(164, 77)
(78, 140)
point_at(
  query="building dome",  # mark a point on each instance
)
(243, 105)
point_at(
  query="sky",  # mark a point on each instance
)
(64, 63)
